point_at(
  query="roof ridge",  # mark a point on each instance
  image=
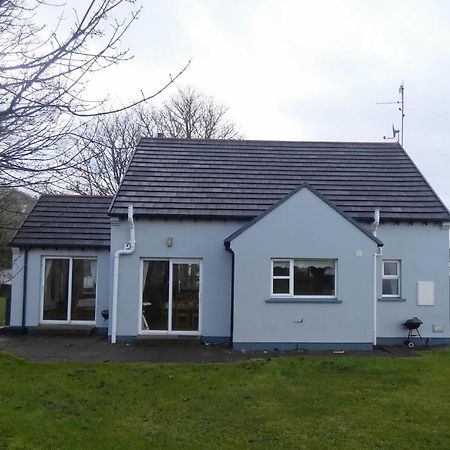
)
(174, 139)
(75, 196)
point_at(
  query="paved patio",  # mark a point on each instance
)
(97, 349)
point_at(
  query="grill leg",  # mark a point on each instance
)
(414, 334)
(420, 336)
(409, 342)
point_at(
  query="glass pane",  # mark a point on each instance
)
(390, 268)
(281, 286)
(84, 285)
(185, 295)
(56, 278)
(281, 268)
(312, 277)
(155, 295)
(390, 287)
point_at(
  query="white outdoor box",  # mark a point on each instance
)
(425, 293)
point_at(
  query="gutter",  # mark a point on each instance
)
(128, 249)
(229, 249)
(24, 293)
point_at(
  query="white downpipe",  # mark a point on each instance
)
(379, 252)
(376, 221)
(126, 250)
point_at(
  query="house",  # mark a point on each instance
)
(264, 244)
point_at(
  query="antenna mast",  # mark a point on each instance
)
(401, 91)
(399, 134)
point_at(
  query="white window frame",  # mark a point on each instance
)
(291, 277)
(282, 277)
(392, 277)
(69, 320)
(169, 330)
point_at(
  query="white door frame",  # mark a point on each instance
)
(169, 330)
(69, 320)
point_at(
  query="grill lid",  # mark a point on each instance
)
(412, 324)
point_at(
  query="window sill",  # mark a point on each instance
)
(392, 299)
(302, 300)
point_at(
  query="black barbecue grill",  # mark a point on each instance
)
(412, 325)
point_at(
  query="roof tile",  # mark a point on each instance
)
(66, 221)
(242, 179)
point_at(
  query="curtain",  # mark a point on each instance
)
(94, 270)
(144, 278)
(49, 299)
(48, 267)
(316, 263)
(144, 325)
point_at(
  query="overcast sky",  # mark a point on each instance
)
(305, 70)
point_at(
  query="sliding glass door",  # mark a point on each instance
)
(155, 310)
(185, 296)
(69, 290)
(170, 297)
(56, 296)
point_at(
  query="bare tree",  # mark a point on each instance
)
(43, 78)
(106, 146)
(14, 206)
(104, 149)
(192, 114)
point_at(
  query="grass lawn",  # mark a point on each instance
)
(286, 403)
(2, 311)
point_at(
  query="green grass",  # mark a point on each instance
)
(286, 403)
(2, 311)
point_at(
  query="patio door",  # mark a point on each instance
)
(170, 297)
(69, 290)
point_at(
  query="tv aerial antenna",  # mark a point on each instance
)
(395, 132)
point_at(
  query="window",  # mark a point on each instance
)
(391, 279)
(304, 277)
(69, 289)
(281, 280)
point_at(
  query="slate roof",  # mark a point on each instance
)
(240, 179)
(66, 221)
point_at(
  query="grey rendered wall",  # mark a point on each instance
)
(17, 287)
(34, 277)
(200, 240)
(303, 227)
(423, 251)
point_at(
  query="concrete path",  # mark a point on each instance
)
(97, 349)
